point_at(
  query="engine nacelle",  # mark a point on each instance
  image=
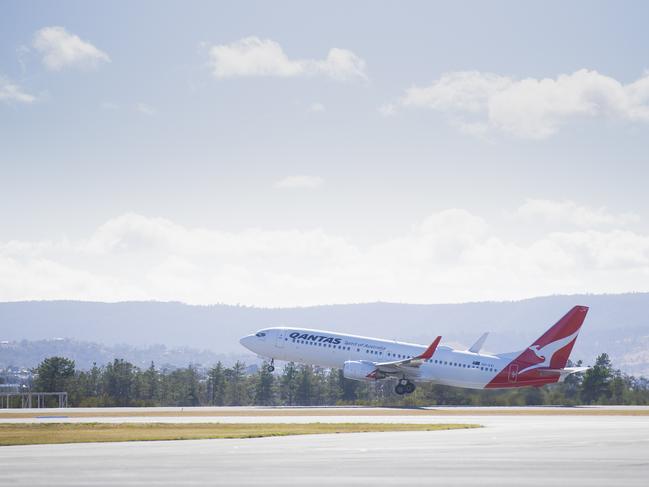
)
(360, 370)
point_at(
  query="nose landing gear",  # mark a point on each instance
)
(405, 387)
(271, 366)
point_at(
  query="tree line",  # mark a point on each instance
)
(120, 383)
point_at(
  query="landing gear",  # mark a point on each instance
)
(271, 366)
(405, 387)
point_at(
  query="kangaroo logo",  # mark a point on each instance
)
(546, 353)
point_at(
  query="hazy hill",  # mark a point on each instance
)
(29, 353)
(617, 324)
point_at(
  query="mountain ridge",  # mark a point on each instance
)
(616, 323)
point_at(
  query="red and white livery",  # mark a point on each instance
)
(372, 359)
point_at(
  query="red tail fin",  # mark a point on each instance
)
(550, 351)
(558, 341)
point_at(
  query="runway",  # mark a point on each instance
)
(536, 449)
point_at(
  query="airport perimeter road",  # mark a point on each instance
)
(509, 451)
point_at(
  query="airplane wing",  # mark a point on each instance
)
(395, 365)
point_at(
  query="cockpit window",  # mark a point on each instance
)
(260, 334)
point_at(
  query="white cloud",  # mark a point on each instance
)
(530, 108)
(252, 56)
(297, 182)
(11, 92)
(388, 109)
(539, 211)
(145, 109)
(451, 256)
(317, 107)
(61, 49)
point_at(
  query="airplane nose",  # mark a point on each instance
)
(245, 341)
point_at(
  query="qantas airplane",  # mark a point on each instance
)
(372, 359)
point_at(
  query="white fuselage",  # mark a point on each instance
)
(328, 349)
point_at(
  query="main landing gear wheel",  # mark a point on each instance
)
(271, 366)
(405, 387)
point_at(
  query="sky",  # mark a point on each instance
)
(301, 153)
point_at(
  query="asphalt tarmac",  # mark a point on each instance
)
(510, 450)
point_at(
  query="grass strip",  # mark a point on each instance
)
(357, 411)
(36, 434)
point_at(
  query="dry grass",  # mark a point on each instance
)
(359, 411)
(33, 434)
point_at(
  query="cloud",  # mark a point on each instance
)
(388, 109)
(297, 182)
(317, 107)
(11, 92)
(452, 255)
(529, 108)
(61, 49)
(145, 109)
(539, 211)
(252, 56)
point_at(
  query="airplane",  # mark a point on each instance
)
(374, 359)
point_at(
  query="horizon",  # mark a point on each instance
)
(235, 305)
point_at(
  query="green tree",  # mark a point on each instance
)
(350, 389)
(620, 387)
(216, 385)
(570, 387)
(150, 384)
(265, 386)
(595, 386)
(184, 387)
(333, 386)
(54, 374)
(236, 385)
(88, 390)
(306, 385)
(288, 384)
(119, 382)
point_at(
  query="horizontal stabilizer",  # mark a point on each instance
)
(562, 373)
(475, 348)
(573, 370)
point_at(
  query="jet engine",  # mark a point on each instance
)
(361, 370)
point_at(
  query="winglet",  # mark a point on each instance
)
(475, 348)
(430, 350)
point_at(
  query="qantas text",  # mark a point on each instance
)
(316, 338)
